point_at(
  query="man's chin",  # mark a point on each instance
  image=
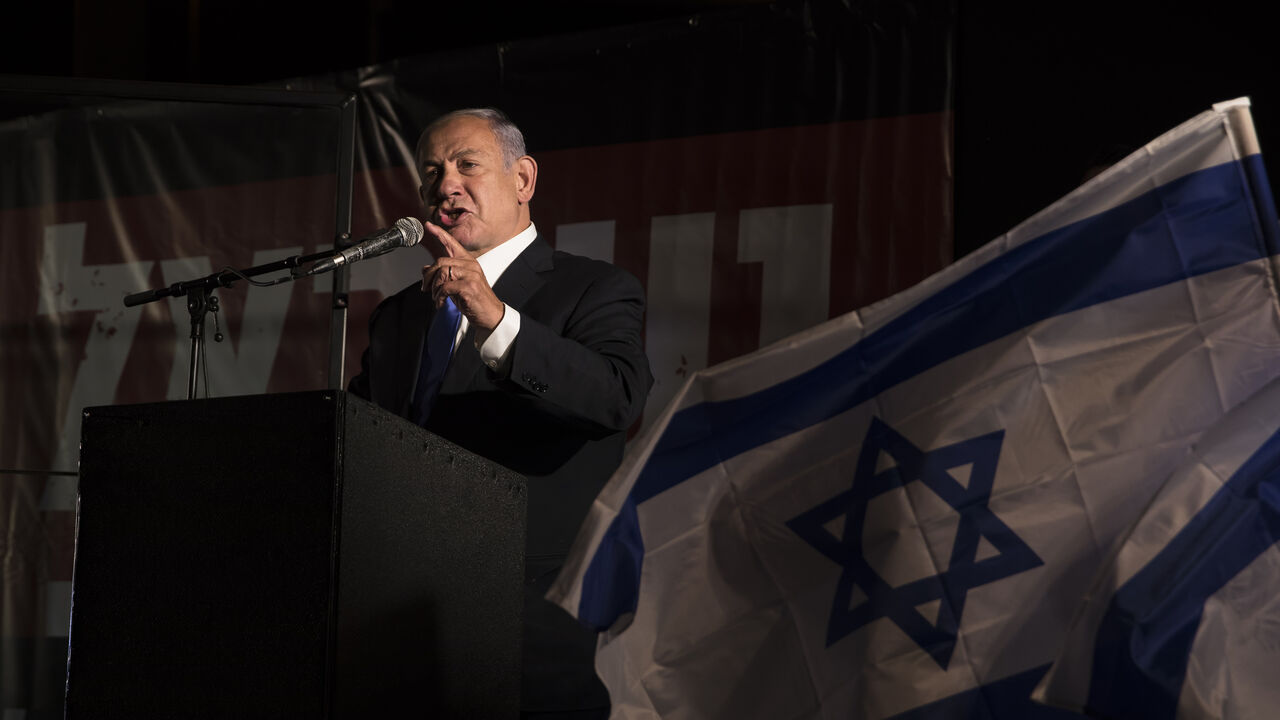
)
(475, 244)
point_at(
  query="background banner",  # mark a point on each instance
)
(760, 169)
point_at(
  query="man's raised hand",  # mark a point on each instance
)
(458, 275)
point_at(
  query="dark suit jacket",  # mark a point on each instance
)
(578, 378)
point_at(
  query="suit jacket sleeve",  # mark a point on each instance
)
(388, 362)
(591, 370)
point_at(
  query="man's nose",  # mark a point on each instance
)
(450, 183)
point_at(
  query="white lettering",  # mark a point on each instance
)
(590, 239)
(679, 292)
(237, 366)
(794, 244)
(67, 285)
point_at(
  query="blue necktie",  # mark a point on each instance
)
(437, 348)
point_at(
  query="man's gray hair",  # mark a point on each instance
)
(510, 139)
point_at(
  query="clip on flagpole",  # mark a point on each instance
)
(201, 300)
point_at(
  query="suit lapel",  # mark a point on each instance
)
(521, 280)
(517, 284)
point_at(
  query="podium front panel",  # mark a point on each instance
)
(432, 565)
(304, 555)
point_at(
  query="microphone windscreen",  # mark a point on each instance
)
(412, 229)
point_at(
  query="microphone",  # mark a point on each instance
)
(405, 233)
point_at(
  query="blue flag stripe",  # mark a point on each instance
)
(1144, 640)
(1263, 201)
(1194, 225)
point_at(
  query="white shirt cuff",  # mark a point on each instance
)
(495, 349)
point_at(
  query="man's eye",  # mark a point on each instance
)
(429, 173)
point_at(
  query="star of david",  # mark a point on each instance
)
(964, 570)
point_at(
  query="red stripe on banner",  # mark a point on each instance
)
(888, 180)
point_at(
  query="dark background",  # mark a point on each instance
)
(1043, 91)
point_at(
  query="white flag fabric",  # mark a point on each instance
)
(896, 513)
(1184, 622)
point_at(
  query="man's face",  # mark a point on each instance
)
(467, 189)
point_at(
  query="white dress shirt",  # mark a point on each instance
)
(495, 346)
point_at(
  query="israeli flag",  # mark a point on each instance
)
(896, 513)
(1184, 621)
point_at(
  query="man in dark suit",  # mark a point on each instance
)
(546, 374)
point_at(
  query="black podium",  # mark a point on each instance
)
(304, 555)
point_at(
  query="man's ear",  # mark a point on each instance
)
(526, 178)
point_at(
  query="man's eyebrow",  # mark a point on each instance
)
(463, 153)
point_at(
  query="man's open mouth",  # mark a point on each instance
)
(451, 217)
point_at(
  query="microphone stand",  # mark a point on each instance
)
(201, 301)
